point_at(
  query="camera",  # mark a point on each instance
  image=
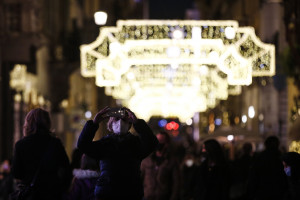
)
(117, 112)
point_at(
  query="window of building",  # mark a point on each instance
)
(13, 17)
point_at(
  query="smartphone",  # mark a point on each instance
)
(117, 112)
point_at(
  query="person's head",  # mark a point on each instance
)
(163, 140)
(36, 120)
(119, 125)
(272, 143)
(213, 150)
(247, 148)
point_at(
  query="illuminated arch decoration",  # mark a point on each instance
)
(174, 68)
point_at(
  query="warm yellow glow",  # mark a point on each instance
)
(261, 55)
(17, 97)
(41, 100)
(236, 120)
(157, 66)
(18, 77)
(234, 89)
(237, 68)
(166, 103)
(294, 146)
(22, 81)
(64, 103)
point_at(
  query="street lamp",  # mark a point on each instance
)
(100, 17)
(251, 112)
(244, 119)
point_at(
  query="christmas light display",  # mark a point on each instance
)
(174, 68)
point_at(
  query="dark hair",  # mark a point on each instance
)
(37, 120)
(272, 143)
(247, 148)
(214, 150)
(167, 136)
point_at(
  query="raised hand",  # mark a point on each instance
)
(131, 116)
(101, 115)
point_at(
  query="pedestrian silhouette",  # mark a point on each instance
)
(213, 179)
(291, 163)
(240, 172)
(189, 168)
(267, 180)
(40, 151)
(160, 172)
(120, 153)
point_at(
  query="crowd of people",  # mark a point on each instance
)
(134, 163)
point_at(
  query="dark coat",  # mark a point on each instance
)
(55, 173)
(6, 186)
(213, 182)
(120, 158)
(161, 182)
(188, 182)
(267, 180)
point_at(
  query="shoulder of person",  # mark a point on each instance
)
(54, 138)
(55, 141)
(148, 161)
(24, 141)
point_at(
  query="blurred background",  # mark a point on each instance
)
(40, 66)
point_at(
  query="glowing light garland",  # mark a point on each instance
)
(175, 68)
(24, 83)
(294, 146)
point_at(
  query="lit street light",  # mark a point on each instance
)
(100, 18)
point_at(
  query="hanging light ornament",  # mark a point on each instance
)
(173, 68)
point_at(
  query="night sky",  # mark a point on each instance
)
(169, 9)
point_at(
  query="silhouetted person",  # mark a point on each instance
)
(120, 153)
(267, 180)
(39, 144)
(160, 172)
(76, 159)
(213, 179)
(241, 167)
(291, 163)
(84, 181)
(6, 180)
(189, 168)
